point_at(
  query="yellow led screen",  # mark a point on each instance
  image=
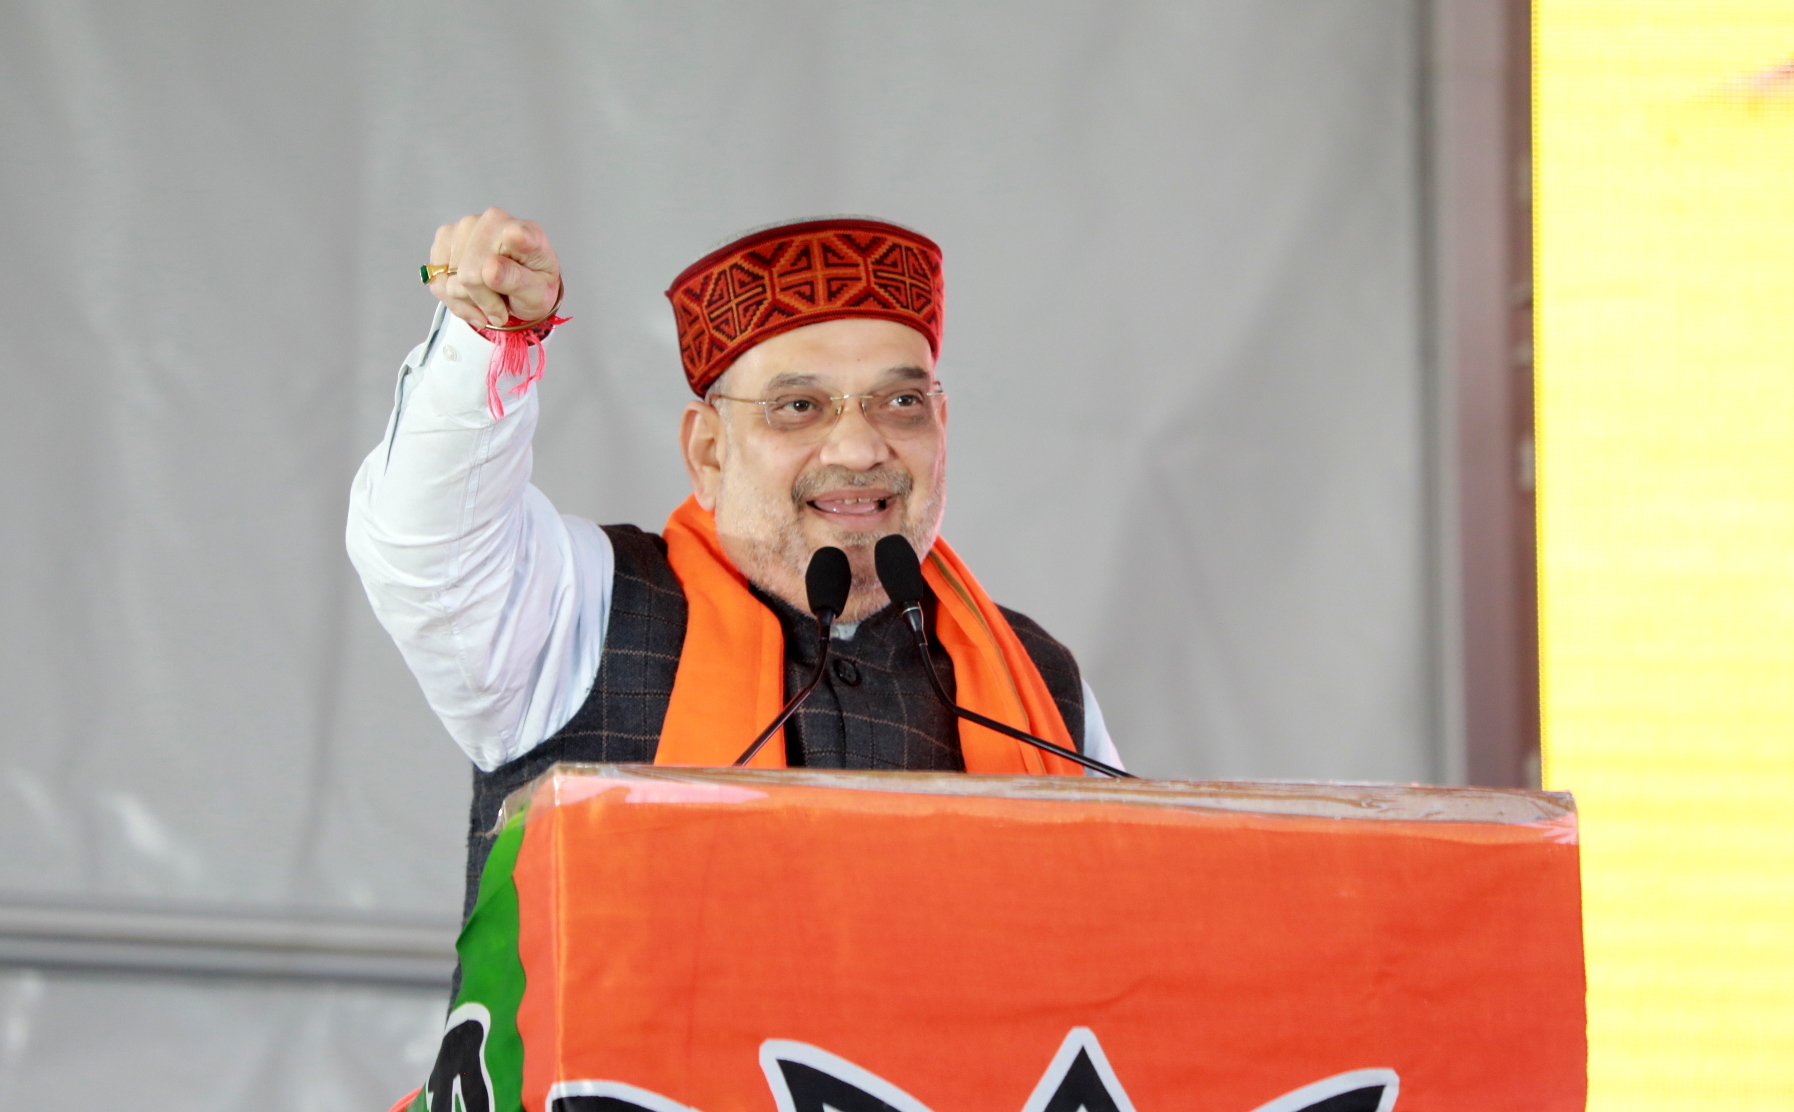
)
(1664, 154)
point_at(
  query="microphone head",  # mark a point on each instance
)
(827, 581)
(899, 570)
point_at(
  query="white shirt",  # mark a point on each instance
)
(498, 603)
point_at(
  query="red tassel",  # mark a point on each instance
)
(511, 359)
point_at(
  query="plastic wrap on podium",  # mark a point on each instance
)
(720, 940)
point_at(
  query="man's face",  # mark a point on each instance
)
(779, 495)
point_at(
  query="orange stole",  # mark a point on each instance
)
(731, 678)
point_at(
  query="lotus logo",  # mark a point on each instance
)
(806, 1078)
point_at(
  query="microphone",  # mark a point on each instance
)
(901, 574)
(827, 582)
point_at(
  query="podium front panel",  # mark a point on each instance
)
(720, 940)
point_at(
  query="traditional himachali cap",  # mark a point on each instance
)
(785, 276)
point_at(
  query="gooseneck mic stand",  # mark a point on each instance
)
(901, 574)
(827, 582)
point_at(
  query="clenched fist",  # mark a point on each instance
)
(503, 266)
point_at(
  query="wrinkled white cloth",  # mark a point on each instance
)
(498, 603)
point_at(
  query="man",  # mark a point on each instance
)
(539, 638)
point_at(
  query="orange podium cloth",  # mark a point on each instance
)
(724, 939)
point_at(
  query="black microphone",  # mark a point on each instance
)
(827, 582)
(901, 574)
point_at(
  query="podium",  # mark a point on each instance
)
(726, 940)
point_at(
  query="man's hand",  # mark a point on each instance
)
(504, 268)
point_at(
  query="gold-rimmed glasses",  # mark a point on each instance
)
(903, 412)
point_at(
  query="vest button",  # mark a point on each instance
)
(847, 673)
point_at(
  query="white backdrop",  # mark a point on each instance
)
(1183, 343)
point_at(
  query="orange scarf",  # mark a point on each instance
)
(731, 679)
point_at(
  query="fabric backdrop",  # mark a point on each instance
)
(1183, 345)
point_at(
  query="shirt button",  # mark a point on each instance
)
(847, 673)
(449, 353)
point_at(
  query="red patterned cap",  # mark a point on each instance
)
(784, 277)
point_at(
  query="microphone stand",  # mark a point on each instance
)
(912, 612)
(825, 620)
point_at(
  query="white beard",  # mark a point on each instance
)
(763, 532)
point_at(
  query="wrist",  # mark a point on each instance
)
(515, 327)
(541, 326)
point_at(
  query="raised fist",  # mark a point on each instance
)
(502, 268)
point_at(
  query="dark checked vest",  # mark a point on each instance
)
(873, 709)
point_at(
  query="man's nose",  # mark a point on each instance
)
(853, 443)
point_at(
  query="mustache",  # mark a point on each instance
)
(812, 483)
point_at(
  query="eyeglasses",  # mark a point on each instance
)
(900, 413)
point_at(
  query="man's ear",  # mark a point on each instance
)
(701, 437)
